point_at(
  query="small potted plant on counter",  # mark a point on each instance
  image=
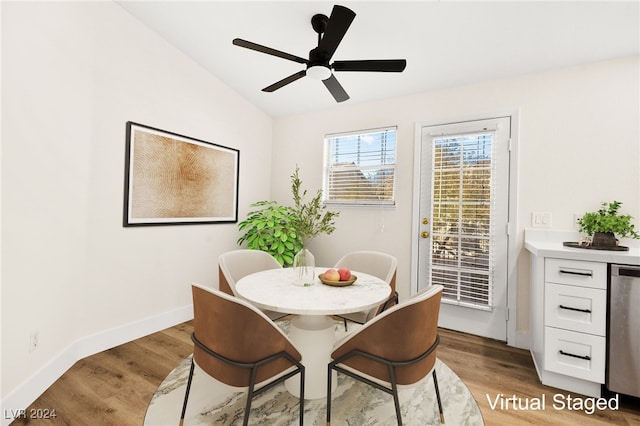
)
(605, 224)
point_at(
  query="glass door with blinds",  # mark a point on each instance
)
(464, 189)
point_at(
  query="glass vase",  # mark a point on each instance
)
(304, 268)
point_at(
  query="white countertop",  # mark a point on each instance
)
(549, 244)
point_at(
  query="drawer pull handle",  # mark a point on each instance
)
(581, 273)
(569, 308)
(586, 357)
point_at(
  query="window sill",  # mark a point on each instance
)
(361, 205)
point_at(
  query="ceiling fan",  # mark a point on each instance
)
(330, 31)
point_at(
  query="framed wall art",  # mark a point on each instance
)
(172, 179)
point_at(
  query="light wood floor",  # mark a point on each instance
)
(114, 387)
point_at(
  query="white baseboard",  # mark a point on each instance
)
(14, 404)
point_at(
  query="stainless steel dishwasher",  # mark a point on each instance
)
(624, 331)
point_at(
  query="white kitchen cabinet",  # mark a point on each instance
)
(568, 323)
(575, 318)
(568, 309)
(578, 355)
(576, 308)
(576, 272)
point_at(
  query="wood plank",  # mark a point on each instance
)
(114, 387)
(490, 368)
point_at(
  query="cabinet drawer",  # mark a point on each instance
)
(575, 354)
(576, 308)
(576, 272)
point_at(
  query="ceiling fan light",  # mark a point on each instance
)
(319, 72)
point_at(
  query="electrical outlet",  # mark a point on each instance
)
(541, 220)
(34, 341)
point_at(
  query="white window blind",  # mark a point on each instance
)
(462, 258)
(360, 167)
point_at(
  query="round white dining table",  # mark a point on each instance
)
(312, 331)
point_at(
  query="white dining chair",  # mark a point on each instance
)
(381, 265)
(236, 264)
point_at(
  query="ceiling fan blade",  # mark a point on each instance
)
(378, 65)
(339, 22)
(268, 50)
(336, 89)
(285, 81)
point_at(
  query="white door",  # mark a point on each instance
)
(463, 238)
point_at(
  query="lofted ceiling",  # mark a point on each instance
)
(445, 43)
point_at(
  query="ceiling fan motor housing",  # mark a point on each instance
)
(318, 56)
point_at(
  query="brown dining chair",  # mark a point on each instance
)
(236, 264)
(395, 348)
(235, 343)
(381, 265)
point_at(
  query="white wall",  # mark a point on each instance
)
(73, 73)
(579, 144)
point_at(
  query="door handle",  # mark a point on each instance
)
(424, 234)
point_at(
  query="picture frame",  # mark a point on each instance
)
(172, 179)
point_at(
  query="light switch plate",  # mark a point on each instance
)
(541, 220)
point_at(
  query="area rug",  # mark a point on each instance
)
(353, 403)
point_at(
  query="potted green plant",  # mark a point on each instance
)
(282, 230)
(606, 223)
(271, 228)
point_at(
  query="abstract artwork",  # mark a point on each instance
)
(171, 179)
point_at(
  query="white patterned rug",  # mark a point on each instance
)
(353, 403)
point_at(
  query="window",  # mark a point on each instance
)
(360, 167)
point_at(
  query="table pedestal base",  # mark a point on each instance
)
(313, 336)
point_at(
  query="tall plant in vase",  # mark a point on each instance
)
(310, 220)
(282, 231)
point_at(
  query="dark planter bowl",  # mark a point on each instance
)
(599, 241)
(604, 239)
